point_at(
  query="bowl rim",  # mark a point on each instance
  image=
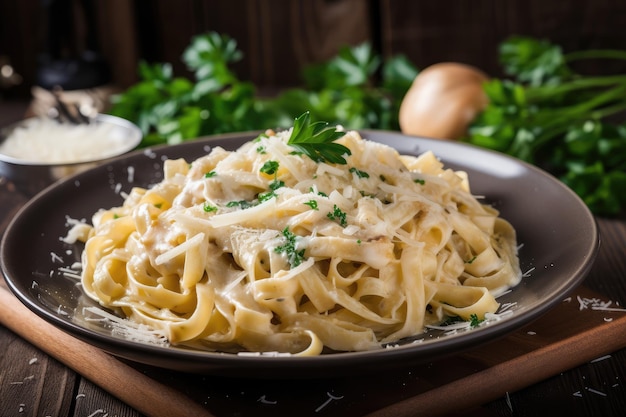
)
(134, 139)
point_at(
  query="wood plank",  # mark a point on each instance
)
(91, 400)
(277, 38)
(470, 31)
(25, 370)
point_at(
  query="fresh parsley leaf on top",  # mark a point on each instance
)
(317, 140)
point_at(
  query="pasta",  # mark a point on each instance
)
(263, 249)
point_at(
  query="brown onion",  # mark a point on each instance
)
(443, 100)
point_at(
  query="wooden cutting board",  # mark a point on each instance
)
(584, 327)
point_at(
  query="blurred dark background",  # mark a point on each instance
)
(279, 37)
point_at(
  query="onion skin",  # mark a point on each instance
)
(443, 100)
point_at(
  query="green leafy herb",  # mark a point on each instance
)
(210, 174)
(419, 181)
(294, 256)
(359, 173)
(475, 321)
(551, 116)
(312, 204)
(339, 215)
(209, 208)
(266, 196)
(274, 185)
(241, 204)
(357, 89)
(270, 168)
(316, 140)
(318, 193)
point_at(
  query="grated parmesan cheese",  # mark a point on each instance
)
(44, 140)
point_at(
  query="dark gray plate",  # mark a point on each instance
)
(557, 231)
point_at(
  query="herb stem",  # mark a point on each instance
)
(538, 93)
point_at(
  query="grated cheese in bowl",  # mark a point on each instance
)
(46, 141)
(36, 152)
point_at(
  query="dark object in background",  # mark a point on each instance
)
(62, 63)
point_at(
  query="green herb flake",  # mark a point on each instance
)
(294, 256)
(339, 215)
(312, 204)
(320, 193)
(261, 150)
(475, 321)
(275, 185)
(210, 174)
(269, 168)
(419, 181)
(470, 261)
(263, 197)
(261, 136)
(208, 208)
(241, 203)
(359, 173)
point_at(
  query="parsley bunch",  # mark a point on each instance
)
(355, 89)
(549, 115)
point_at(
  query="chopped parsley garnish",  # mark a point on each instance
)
(294, 256)
(266, 196)
(208, 207)
(269, 168)
(258, 138)
(261, 150)
(241, 203)
(474, 320)
(274, 185)
(210, 174)
(419, 181)
(359, 173)
(312, 204)
(318, 193)
(470, 260)
(316, 140)
(339, 215)
(366, 194)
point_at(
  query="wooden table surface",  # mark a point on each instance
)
(35, 384)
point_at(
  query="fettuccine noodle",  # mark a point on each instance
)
(228, 255)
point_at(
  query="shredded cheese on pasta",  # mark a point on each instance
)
(312, 257)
